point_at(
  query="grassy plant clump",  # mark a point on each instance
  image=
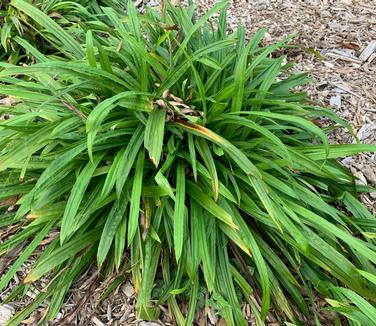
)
(162, 145)
(18, 29)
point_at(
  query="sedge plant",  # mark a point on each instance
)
(164, 145)
(18, 30)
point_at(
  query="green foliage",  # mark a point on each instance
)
(164, 138)
(22, 22)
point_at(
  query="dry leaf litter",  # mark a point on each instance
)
(338, 48)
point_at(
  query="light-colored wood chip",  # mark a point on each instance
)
(6, 312)
(96, 321)
(368, 51)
